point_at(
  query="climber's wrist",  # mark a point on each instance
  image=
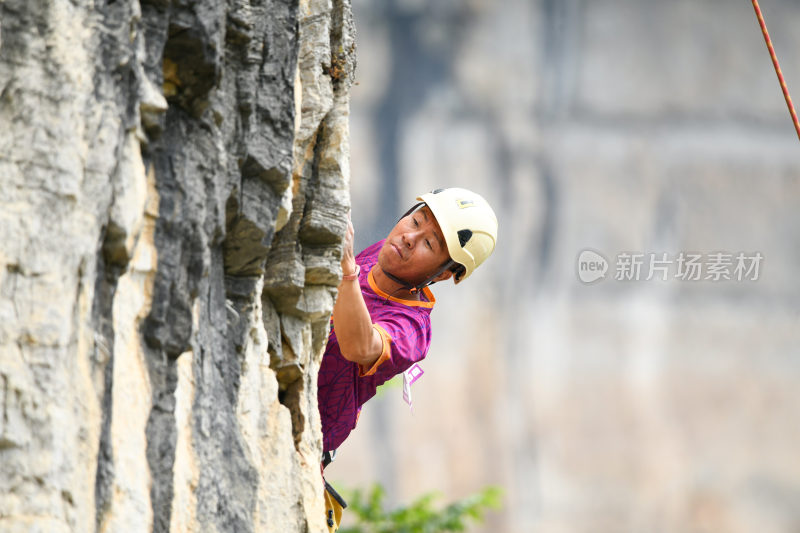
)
(350, 272)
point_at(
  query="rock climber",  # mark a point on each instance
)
(381, 318)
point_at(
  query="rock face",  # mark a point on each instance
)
(174, 184)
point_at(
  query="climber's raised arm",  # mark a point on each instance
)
(359, 342)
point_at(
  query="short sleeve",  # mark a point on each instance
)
(410, 335)
(386, 352)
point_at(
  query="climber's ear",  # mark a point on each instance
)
(447, 274)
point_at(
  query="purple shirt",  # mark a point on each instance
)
(344, 386)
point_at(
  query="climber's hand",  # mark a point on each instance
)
(348, 258)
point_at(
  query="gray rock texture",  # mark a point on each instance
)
(174, 188)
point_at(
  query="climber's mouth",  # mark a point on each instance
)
(396, 249)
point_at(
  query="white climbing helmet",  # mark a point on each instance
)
(468, 223)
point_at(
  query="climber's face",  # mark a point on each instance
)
(415, 248)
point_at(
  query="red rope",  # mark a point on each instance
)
(777, 67)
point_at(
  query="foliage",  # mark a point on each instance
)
(418, 517)
(395, 383)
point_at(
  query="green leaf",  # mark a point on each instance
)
(421, 515)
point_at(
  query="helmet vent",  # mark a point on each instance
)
(437, 191)
(464, 236)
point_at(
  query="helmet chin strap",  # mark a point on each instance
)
(414, 289)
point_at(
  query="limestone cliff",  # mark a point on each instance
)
(174, 183)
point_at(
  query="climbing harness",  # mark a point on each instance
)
(334, 503)
(774, 57)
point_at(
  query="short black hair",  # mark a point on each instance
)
(459, 270)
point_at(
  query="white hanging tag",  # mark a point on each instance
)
(409, 377)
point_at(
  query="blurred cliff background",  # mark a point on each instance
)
(619, 126)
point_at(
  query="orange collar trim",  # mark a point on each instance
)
(412, 303)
